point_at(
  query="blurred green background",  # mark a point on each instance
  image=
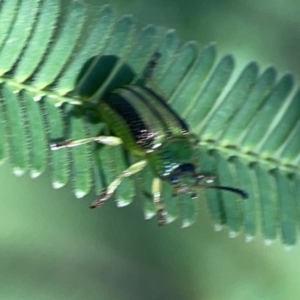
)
(53, 247)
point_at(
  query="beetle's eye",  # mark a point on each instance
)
(187, 168)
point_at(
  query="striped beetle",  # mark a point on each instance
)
(149, 128)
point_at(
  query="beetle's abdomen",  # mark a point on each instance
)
(134, 123)
(140, 118)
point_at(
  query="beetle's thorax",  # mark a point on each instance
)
(171, 155)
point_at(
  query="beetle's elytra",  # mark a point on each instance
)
(149, 128)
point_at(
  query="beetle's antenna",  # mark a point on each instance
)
(226, 188)
(148, 71)
(147, 74)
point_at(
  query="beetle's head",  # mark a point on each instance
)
(186, 180)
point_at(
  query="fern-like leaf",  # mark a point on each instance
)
(248, 128)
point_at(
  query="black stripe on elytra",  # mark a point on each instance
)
(183, 125)
(141, 134)
(152, 108)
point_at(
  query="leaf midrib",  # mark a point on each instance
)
(249, 157)
(56, 99)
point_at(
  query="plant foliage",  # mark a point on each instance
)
(248, 123)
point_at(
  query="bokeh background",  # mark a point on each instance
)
(53, 247)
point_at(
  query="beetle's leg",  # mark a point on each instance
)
(106, 140)
(156, 192)
(148, 72)
(207, 179)
(106, 194)
(146, 76)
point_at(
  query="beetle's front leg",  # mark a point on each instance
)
(106, 140)
(160, 209)
(106, 194)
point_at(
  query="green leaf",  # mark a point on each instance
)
(200, 106)
(39, 41)
(268, 112)
(80, 156)
(286, 208)
(19, 33)
(188, 210)
(58, 159)
(91, 46)
(231, 203)
(36, 135)
(15, 131)
(244, 177)
(119, 44)
(290, 149)
(168, 49)
(3, 135)
(182, 62)
(63, 45)
(232, 102)
(282, 127)
(145, 182)
(7, 14)
(194, 80)
(143, 49)
(268, 203)
(125, 191)
(242, 118)
(52, 61)
(170, 202)
(214, 201)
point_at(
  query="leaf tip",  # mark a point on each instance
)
(249, 238)
(149, 215)
(170, 219)
(79, 193)
(268, 242)
(186, 223)
(122, 202)
(218, 227)
(18, 171)
(288, 248)
(233, 234)
(35, 173)
(56, 185)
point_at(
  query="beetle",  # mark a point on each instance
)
(149, 128)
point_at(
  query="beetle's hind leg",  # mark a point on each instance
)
(107, 193)
(160, 209)
(102, 139)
